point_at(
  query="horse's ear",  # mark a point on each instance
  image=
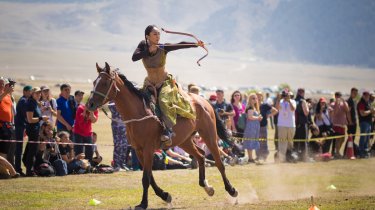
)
(107, 68)
(98, 68)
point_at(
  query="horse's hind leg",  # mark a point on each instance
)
(159, 192)
(210, 139)
(189, 147)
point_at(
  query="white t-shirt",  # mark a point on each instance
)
(286, 116)
(47, 112)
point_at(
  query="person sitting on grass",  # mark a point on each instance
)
(66, 150)
(45, 136)
(6, 169)
(209, 158)
(184, 159)
(163, 161)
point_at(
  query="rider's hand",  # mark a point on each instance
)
(200, 43)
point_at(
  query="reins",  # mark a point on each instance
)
(131, 120)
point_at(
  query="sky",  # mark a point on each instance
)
(64, 39)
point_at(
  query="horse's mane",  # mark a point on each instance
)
(141, 94)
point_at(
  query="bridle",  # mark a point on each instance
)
(112, 76)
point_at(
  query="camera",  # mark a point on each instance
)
(11, 82)
(284, 94)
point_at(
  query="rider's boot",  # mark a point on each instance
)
(166, 138)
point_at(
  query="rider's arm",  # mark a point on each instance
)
(181, 45)
(140, 52)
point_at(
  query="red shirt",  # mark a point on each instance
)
(6, 109)
(82, 124)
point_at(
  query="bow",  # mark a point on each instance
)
(191, 35)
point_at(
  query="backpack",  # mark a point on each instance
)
(61, 167)
(241, 123)
(45, 169)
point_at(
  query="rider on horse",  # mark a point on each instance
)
(161, 84)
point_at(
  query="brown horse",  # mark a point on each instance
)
(143, 130)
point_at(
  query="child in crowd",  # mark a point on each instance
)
(98, 158)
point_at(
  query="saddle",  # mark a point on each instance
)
(151, 93)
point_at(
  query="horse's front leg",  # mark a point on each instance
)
(159, 192)
(146, 179)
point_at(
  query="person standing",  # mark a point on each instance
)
(119, 138)
(268, 111)
(365, 112)
(82, 131)
(251, 133)
(302, 124)
(275, 118)
(352, 115)
(239, 108)
(65, 110)
(323, 121)
(286, 124)
(20, 124)
(339, 122)
(6, 115)
(34, 117)
(49, 105)
(224, 109)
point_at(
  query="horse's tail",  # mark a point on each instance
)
(221, 130)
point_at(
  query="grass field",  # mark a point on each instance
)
(269, 186)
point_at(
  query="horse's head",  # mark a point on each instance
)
(105, 88)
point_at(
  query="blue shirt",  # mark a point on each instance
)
(63, 105)
(20, 118)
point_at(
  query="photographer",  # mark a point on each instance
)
(286, 124)
(6, 114)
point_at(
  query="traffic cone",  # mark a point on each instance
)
(350, 149)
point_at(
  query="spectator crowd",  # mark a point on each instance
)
(61, 141)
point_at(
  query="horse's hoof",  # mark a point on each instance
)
(139, 207)
(234, 193)
(209, 190)
(169, 198)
